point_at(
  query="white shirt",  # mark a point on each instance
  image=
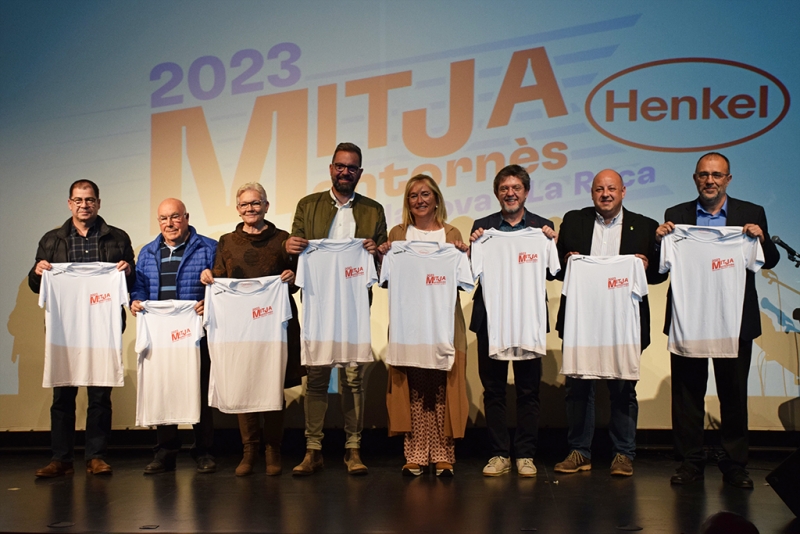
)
(343, 225)
(335, 276)
(606, 237)
(83, 324)
(246, 323)
(168, 334)
(512, 267)
(423, 278)
(707, 266)
(602, 330)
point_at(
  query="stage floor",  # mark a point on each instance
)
(383, 501)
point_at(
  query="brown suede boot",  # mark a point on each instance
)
(250, 431)
(310, 464)
(352, 459)
(274, 467)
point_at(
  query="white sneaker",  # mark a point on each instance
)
(498, 465)
(525, 467)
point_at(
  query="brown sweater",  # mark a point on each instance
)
(243, 255)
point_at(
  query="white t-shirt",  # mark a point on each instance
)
(335, 275)
(246, 323)
(602, 331)
(707, 274)
(168, 334)
(512, 267)
(83, 324)
(423, 278)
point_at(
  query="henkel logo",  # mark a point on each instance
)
(261, 312)
(720, 263)
(687, 104)
(616, 283)
(524, 257)
(350, 272)
(433, 280)
(177, 335)
(99, 298)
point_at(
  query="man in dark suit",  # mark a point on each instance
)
(713, 207)
(511, 187)
(606, 229)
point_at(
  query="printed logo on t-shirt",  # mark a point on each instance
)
(259, 312)
(177, 335)
(720, 263)
(435, 280)
(525, 257)
(99, 298)
(616, 283)
(350, 272)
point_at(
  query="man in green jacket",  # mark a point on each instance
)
(338, 213)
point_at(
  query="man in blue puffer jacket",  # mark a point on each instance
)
(169, 267)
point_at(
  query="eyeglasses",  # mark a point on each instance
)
(340, 167)
(503, 189)
(254, 204)
(425, 195)
(175, 217)
(89, 201)
(717, 176)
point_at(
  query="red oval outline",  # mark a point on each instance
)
(773, 79)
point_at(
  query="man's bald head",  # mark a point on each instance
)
(608, 190)
(173, 221)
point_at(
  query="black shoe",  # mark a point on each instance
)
(206, 464)
(738, 478)
(159, 465)
(686, 475)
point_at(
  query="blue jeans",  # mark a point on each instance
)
(580, 415)
(62, 422)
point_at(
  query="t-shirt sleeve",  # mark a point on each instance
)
(386, 267)
(465, 279)
(553, 265)
(667, 254)
(283, 298)
(639, 288)
(372, 272)
(208, 307)
(142, 335)
(567, 276)
(302, 266)
(754, 254)
(200, 333)
(121, 288)
(44, 288)
(477, 258)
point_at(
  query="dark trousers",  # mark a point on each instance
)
(494, 377)
(689, 381)
(62, 422)
(169, 441)
(580, 415)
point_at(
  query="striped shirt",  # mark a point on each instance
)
(170, 261)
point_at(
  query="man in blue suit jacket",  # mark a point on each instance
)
(169, 268)
(511, 187)
(713, 207)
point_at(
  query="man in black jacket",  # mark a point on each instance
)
(606, 229)
(511, 187)
(713, 207)
(83, 238)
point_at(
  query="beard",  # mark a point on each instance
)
(344, 187)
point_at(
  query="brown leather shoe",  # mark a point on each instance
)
(312, 462)
(96, 466)
(54, 469)
(274, 466)
(352, 459)
(249, 458)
